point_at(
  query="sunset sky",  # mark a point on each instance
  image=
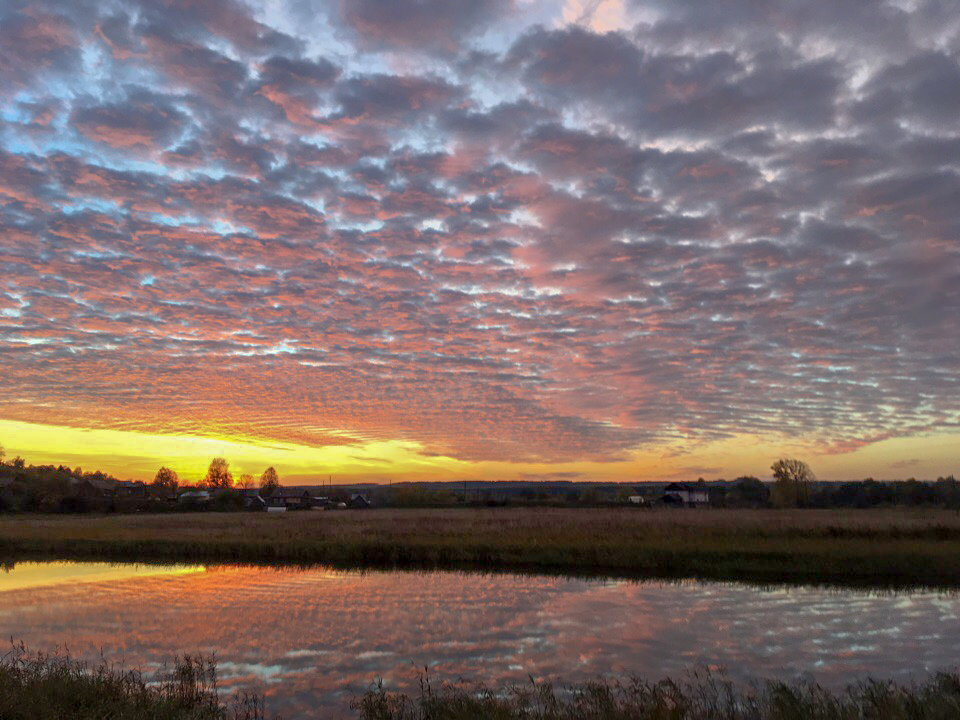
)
(490, 239)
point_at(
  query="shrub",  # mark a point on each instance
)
(51, 687)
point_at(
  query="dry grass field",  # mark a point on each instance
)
(893, 547)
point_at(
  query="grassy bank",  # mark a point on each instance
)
(701, 696)
(55, 687)
(872, 547)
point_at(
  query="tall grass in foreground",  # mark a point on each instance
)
(700, 696)
(39, 686)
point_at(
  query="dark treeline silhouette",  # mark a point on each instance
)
(795, 485)
(943, 492)
(50, 488)
(60, 489)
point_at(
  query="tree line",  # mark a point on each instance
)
(795, 486)
(58, 488)
(219, 477)
(49, 488)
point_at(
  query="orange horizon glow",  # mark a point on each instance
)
(135, 455)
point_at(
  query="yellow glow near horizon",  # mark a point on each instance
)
(42, 574)
(135, 454)
(129, 454)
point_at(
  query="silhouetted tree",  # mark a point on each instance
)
(748, 491)
(3, 454)
(948, 491)
(590, 496)
(245, 482)
(218, 474)
(793, 479)
(269, 482)
(166, 480)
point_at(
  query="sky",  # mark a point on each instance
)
(490, 239)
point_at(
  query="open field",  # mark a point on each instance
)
(873, 547)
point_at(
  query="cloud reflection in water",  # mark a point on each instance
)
(315, 637)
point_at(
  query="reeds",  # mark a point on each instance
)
(37, 686)
(895, 547)
(40, 686)
(702, 695)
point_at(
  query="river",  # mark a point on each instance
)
(311, 639)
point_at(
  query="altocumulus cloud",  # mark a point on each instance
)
(479, 226)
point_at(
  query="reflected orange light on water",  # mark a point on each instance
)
(309, 639)
(30, 575)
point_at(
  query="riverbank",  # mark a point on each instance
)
(50, 687)
(873, 547)
(38, 686)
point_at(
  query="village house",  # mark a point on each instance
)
(194, 497)
(92, 488)
(252, 499)
(291, 500)
(131, 488)
(358, 502)
(687, 494)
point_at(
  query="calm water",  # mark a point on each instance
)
(311, 638)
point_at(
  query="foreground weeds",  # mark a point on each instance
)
(700, 696)
(39, 686)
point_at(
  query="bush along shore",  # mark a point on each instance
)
(39, 686)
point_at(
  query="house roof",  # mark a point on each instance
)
(687, 486)
(291, 494)
(98, 484)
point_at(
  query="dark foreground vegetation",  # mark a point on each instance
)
(702, 696)
(874, 548)
(57, 687)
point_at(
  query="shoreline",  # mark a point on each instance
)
(58, 685)
(876, 549)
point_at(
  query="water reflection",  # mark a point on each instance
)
(22, 576)
(311, 638)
